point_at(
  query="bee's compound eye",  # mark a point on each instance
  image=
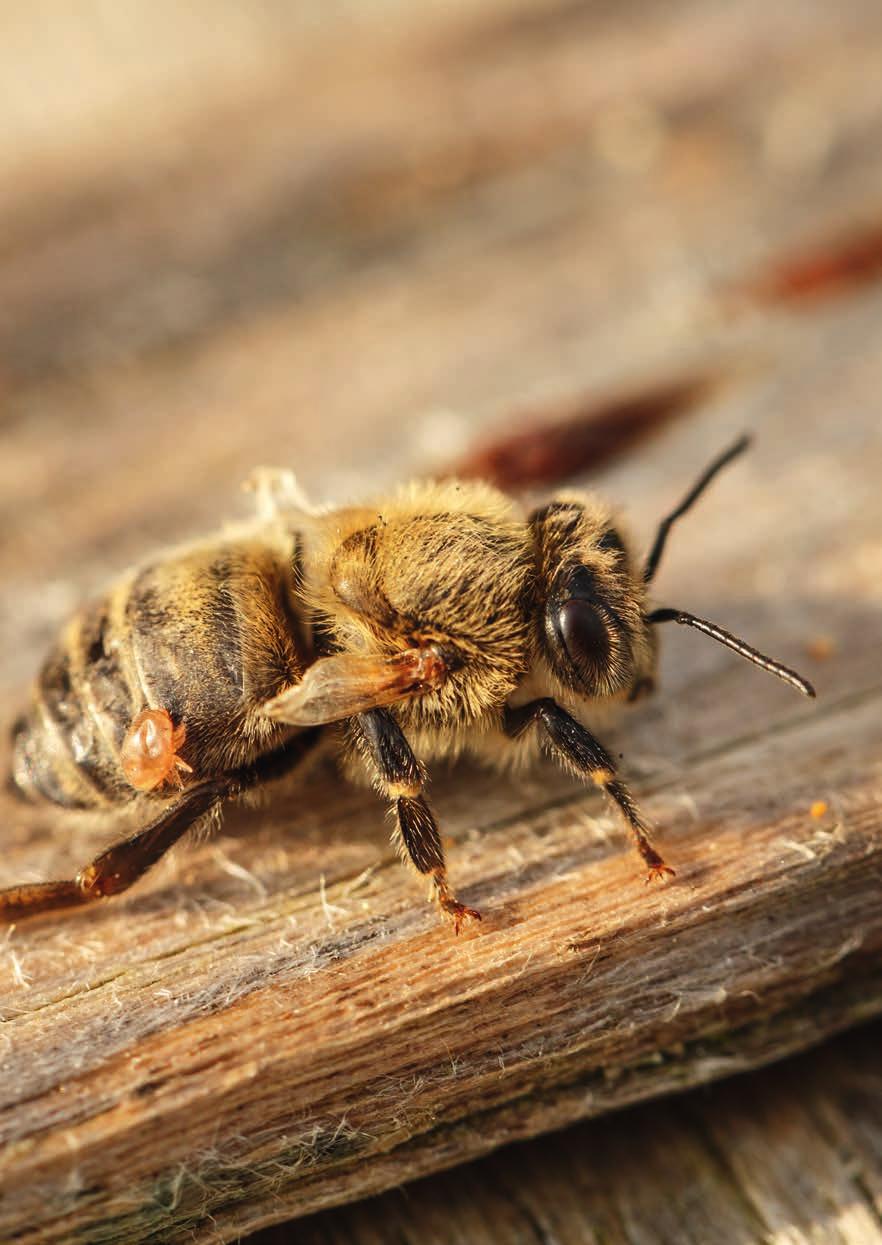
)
(585, 635)
(588, 643)
(148, 751)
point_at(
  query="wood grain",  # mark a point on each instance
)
(791, 1154)
(308, 272)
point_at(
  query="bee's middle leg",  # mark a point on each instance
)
(400, 777)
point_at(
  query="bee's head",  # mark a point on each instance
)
(592, 629)
(597, 633)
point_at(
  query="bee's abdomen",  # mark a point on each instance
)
(206, 635)
(66, 747)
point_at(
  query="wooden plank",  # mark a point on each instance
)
(273, 1022)
(790, 1154)
(340, 1046)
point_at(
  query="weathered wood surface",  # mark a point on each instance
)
(792, 1154)
(353, 263)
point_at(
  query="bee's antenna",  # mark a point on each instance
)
(689, 500)
(737, 646)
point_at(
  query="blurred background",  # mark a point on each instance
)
(358, 238)
(367, 238)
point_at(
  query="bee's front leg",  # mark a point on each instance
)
(400, 777)
(584, 756)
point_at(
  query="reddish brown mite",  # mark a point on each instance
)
(445, 619)
(149, 753)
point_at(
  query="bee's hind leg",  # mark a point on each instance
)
(117, 867)
(400, 776)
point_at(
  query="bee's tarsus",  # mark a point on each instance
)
(397, 771)
(582, 754)
(32, 897)
(454, 910)
(659, 872)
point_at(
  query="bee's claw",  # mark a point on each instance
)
(458, 912)
(659, 872)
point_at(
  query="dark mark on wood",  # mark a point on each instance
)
(828, 270)
(566, 440)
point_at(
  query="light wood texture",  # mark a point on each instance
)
(394, 234)
(792, 1154)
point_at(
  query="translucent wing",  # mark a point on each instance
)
(348, 683)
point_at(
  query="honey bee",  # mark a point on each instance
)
(445, 618)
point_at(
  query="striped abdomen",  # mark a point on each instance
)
(207, 634)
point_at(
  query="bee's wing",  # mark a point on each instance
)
(348, 683)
